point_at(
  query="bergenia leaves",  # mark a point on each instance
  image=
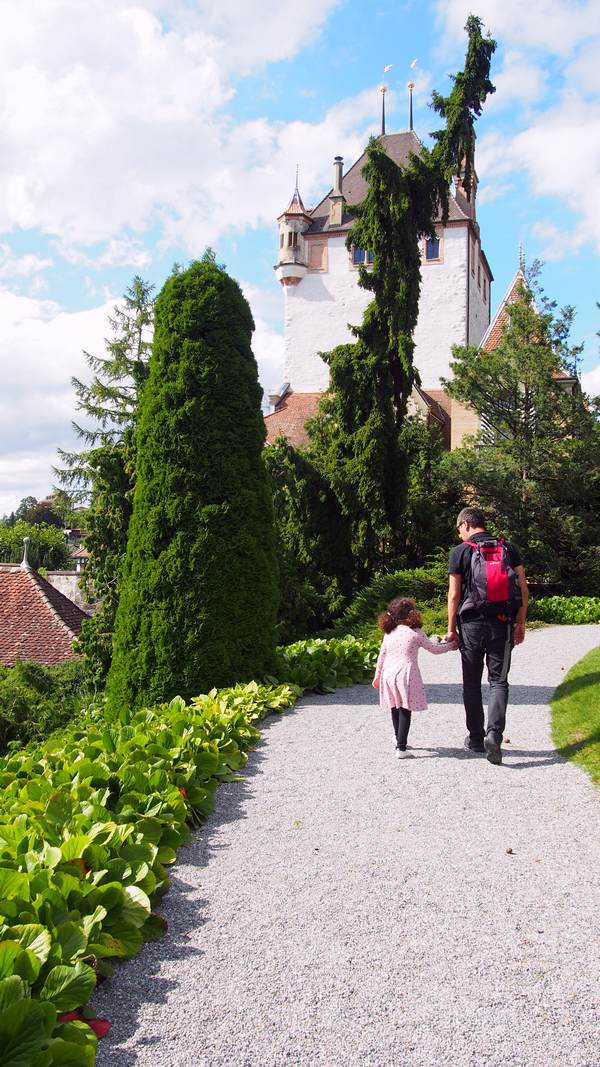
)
(88, 821)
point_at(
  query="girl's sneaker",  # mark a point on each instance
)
(403, 754)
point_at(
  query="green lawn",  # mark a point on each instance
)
(576, 714)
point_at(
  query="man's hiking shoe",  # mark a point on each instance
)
(492, 749)
(401, 753)
(473, 746)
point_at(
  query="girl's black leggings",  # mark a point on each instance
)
(401, 724)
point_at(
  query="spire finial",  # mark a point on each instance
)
(25, 562)
(383, 91)
(297, 172)
(410, 86)
(521, 256)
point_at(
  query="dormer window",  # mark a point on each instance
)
(432, 248)
(361, 258)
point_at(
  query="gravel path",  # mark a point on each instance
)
(345, 909)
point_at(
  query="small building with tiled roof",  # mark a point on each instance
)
(36, 621)
(288, 419)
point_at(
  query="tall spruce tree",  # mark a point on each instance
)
(313, 543)
(355, 434)
(535, 464)
(198, 602)
(103, 471)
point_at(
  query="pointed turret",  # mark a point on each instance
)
(291, 264)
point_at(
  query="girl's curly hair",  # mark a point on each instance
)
(400, 612)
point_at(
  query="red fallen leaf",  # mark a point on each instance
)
(182, 791)
(99, 1026)
(509, 852)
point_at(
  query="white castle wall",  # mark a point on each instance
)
(319, 308)
(316, 316)
(442, 318)
(479, 313)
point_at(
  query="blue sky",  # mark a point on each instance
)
(135, 135)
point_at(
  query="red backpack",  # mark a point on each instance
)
(494, 588)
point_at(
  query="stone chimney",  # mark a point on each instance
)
(337, 199)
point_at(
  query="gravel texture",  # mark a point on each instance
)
(342, 908)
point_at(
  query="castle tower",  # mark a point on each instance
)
(292, 264)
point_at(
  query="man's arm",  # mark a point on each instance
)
(454, 591)
(519, 630)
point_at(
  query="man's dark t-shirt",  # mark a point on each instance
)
(460, 563)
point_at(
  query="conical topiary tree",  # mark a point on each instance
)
(199, 591)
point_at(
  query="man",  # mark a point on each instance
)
(483, 636)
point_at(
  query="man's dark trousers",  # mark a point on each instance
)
(488, 640)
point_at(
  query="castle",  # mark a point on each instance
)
(319, 276)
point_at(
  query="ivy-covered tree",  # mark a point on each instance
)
(355, 434)
(535, 465)
(313, 544)
(198, 602)
(103, 472)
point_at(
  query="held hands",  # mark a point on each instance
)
(452, 639)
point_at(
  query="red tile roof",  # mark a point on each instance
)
(36, 621)
(289, 418)
(80, 553)
(498, 324)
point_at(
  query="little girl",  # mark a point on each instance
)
(397, 674)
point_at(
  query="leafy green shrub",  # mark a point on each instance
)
(565, 609)
(423, 584)
(88, 823)
(325, 665)
(36, 700)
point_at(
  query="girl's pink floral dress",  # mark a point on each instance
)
(397, 670)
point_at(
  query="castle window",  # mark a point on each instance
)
(360, 257)
(484, 289)
(432, 248)
(479, 275)
(281, 240)
(295, 240)
(290, 237)
(317, 255)
(473, 258)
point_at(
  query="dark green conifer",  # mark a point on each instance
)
(199, 592)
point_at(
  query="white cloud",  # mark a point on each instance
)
(590, 381)
(40, 349)
(520, 79)
(559, 153)
(119, 252)
(486, 194)
(20, 266)
(267, 341)
(113, 119)
(557, 27)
